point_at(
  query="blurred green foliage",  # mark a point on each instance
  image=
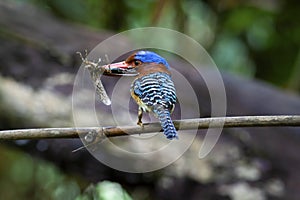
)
(251, 38)
(23, 177)
(105, 190)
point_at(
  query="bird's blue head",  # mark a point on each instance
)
(150, 57)
(128, 67)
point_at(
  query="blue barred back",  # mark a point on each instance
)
(155, 92)
(155, 88)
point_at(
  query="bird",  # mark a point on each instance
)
(152, 88)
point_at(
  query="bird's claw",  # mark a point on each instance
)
(140, 123)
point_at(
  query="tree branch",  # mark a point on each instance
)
(90, 133)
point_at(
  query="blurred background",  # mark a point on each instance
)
(256, 46)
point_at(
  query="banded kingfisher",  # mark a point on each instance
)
(152, 89)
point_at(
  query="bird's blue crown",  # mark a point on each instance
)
(151, 57)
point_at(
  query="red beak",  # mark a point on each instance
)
(119, 68)
(118, 65)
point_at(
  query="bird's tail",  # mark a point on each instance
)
(166, 122)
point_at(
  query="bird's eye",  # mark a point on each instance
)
(137, 62)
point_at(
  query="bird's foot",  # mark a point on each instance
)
(140, 123)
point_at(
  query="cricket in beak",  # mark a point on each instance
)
(96, 71)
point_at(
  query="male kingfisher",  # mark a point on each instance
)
(152, 89)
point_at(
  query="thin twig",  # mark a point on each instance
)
(90, 133)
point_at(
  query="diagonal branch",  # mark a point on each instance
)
(90, 133)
